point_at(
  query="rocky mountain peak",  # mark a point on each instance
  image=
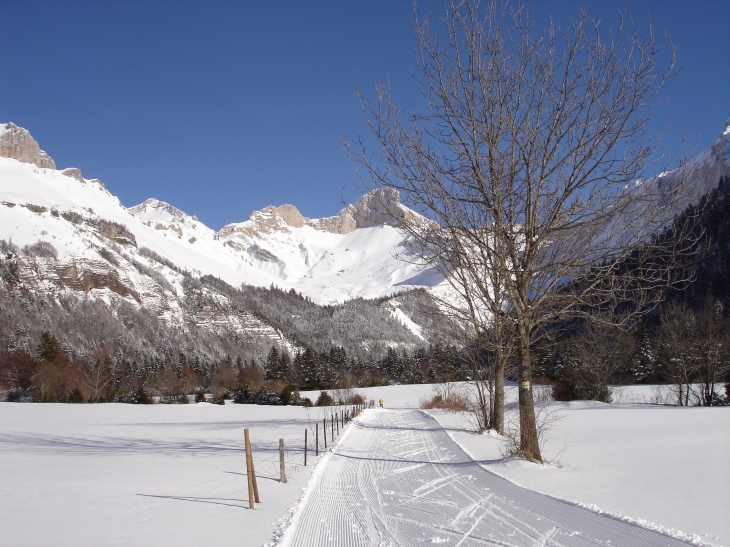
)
(376, 208)
(155, 205)
(16, 143)
(267, 220)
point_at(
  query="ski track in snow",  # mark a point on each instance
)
(398, 479)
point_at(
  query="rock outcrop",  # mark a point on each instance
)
(268, 220)
(17, 143)
(74, 173)
(376, 208)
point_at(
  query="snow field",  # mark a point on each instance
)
(116, 474)
(397, 478)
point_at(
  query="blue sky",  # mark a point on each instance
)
(221, 107)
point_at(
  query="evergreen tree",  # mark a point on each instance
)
(392, 364)
(48, 347)
(271, 365)
(309, 370)
(642, 362)
(283, 367)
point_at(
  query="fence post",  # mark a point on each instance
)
(337, 419)
(324, 432)
(282, 467)
(253, 476)
(249, 470)
(332, 423)
(305, 447)
(316, 440)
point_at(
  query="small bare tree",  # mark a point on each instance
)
(604, 350)
(523, 167)
(96, 370)
(694, 351)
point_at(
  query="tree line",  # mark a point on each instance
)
(48, 374)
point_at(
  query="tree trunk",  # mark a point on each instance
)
(498, 406)
(529, 444)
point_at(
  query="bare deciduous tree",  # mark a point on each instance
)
(603, 350)
(524, 165)
(96, 370)
(694, 351)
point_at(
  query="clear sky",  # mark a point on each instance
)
(223, 107)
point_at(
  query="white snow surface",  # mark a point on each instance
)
(397, 478)
(115, 474)
(327, 267)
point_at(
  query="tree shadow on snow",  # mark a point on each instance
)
(214, 501)
(116, 445)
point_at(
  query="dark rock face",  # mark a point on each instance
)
(17, 143)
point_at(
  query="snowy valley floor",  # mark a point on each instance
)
(396, 478)
(160, 475)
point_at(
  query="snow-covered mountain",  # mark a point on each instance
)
(330, 260)
(63, 234)
(349, 255)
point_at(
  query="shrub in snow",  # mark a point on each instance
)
(324, 399)
(290, 396)
(76, 396)
(42, 249)
(137, 397)
(246, 394)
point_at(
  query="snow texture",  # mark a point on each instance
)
(115, 474)
(398, 478)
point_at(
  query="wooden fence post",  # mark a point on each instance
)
(305, 447)
(324, 432)
(282, 467)
(253, 476)
(316, 440)
(332, 423)
(249, 470)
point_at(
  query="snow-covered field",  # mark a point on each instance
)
(116, 474)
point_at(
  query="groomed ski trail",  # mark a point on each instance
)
(396, 478)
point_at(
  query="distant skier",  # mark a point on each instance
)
(381, 403)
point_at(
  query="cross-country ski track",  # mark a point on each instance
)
(396, 478)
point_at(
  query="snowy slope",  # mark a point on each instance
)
(294, 252)
(330, 260)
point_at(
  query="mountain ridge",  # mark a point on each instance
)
(65, 237)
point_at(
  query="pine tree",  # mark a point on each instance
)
(642, 362)
(283, 367)
(310, 370)
(271, 366)
(48, 347)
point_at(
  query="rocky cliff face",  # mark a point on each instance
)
(376, 208)
(16, 143)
